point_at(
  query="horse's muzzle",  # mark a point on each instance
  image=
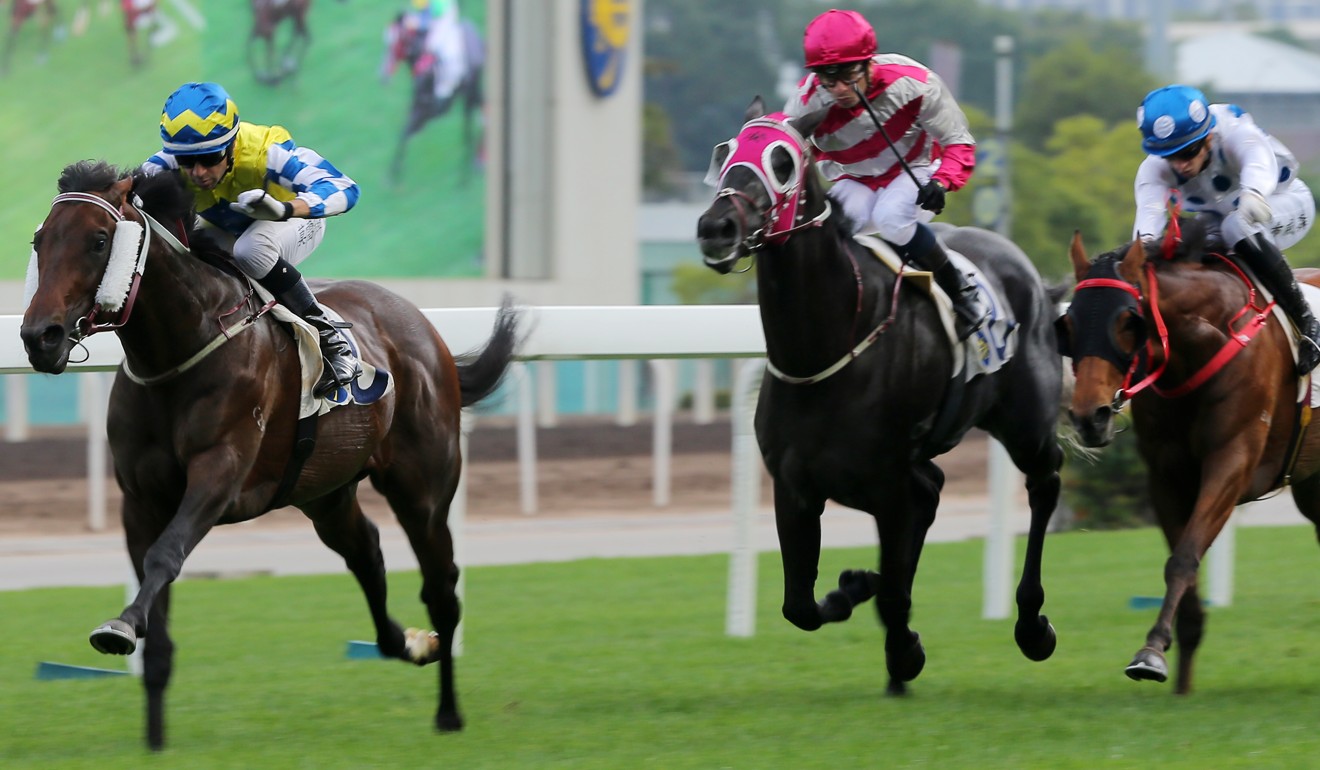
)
(1096, 428)
(718, 237)
(47, 347)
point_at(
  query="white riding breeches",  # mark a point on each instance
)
(891, 212)
(1293, 209)
(263, 243)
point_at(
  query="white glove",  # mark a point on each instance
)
(258, 205)
(1255, 209)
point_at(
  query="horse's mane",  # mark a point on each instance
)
(1192, 246)
(163, 195)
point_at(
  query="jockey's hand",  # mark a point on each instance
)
(259, 205)
(931, 196)
(1255, 209)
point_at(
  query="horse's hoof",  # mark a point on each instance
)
(448, 723)
(1148, 665)
(421, 647)
(836, 607)
(895, 688)
(1036, 639)
(907, 665)
(114, 637)
(856, 585)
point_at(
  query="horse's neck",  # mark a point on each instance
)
(808, 289)
(1196, 306)
(176, 310)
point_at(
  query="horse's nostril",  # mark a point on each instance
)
(53, 336)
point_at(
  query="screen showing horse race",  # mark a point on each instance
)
(391, 93)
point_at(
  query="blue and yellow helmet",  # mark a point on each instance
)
(198, 118)
(1173, 117)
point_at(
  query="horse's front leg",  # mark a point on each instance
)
(908, 512)
(798, 524)
(203, 504)
(1222, 485)
(1033, 632)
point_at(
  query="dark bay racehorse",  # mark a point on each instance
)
(866, 435)
(1214, 405)
(207, 439)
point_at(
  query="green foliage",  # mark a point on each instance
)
(624, 663)
(696, 284)
(1079, 78)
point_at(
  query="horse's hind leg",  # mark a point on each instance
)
(340, 524)
(420, 498)
(1189, 625)
(902, 521)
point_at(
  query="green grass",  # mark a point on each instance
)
(86, 102)
(624, 664)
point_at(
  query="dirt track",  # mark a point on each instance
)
(583, 467)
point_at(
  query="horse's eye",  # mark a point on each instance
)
(781, 164)
(101, 242)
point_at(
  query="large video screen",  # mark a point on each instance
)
(392, 92)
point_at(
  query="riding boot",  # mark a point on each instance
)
(1267, 262)
(339, 365)
(927, 253)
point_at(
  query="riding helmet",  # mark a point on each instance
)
(1172, 118)
(199, 118)
(837, 37)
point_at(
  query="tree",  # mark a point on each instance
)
(1079, 79)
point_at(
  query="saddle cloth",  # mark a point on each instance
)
(988, 348)
(369, 387)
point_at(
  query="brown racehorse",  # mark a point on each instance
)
(1214, 406)
(207, 439)
(272, 53)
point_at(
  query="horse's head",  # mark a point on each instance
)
(70, 254)
(766, 188)
(1102, 332)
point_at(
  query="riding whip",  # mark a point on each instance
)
(871, 111)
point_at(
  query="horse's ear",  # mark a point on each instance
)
(119, 192)
(806, 125)
(754, 110)
(1130, 268)
(1081, 263)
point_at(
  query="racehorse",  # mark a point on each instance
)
(139, 14)
(424, 106)
(273, 60)
(838, 420)
(21, 11)
(202, 425)
(1183, 334)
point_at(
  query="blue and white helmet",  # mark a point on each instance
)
(1173, 117)
(198, 118)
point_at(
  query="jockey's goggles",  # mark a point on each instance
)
(834, 74)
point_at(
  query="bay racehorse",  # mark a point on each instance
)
(838, 420)
(1184, 335)
(204, 438)
(278, 39)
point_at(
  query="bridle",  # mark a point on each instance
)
(753, 149)
(119, 285)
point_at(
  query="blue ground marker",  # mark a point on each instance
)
(50, 671)
(358, 650)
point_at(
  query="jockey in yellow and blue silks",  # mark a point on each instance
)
(265, 197)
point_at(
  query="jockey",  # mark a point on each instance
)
(264, 197)
(924, 123)
(1214, 161)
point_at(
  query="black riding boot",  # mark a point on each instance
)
(1267, 262)
(339, 365)
(926, 253)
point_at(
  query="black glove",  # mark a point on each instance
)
(931, 196)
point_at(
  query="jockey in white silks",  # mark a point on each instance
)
(1217, 164)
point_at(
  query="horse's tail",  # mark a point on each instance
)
(482, 371)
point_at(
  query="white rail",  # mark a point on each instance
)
(653, 332)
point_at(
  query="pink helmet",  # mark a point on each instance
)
(838, 37)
